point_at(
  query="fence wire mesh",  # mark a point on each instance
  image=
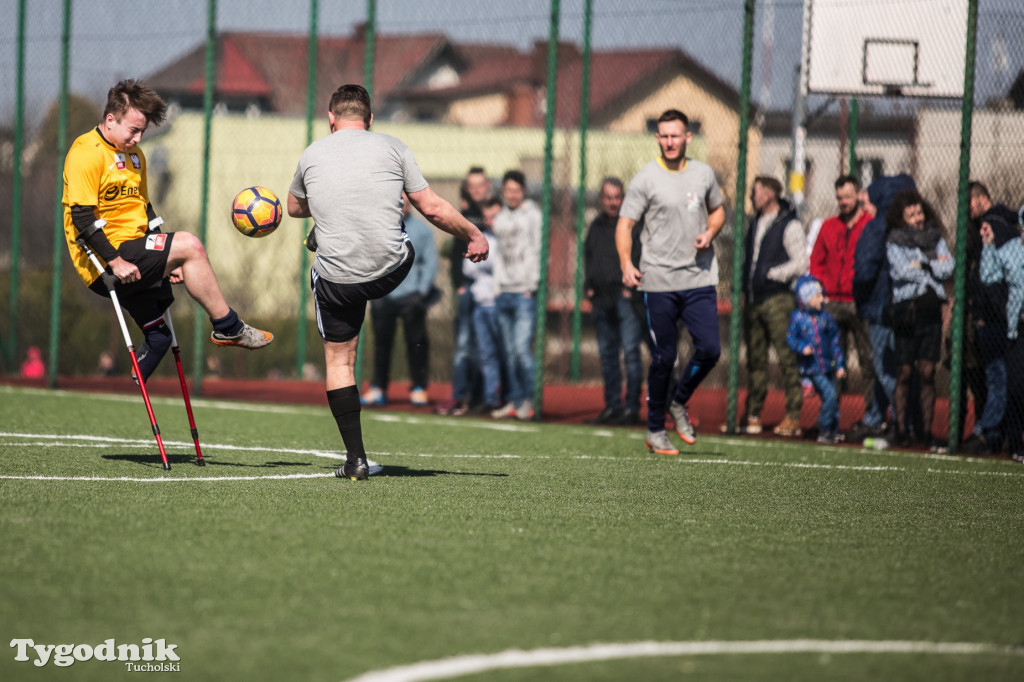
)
(464, 84)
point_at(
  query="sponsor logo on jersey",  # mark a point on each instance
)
(119, 161)
(155, 242)
(123, 190)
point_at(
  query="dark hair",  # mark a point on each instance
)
(464, 193)
(613, 181)
(515, 176)
(979, 189)
(491, 201)
(351, 101)
(133, 94)
(476, 169)
(848, 180)
(909, 197)
(674, 115)
(770, 183)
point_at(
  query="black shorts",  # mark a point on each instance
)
(341, 308)
(147, 299)
(923, 341)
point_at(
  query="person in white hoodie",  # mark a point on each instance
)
(483, 288)
(517, 274)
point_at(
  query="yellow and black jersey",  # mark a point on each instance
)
(97, 174)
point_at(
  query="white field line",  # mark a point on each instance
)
(458, 666)
(86, 441)
(196, 479)
(61, 440)
(177, 401)
(455, 422)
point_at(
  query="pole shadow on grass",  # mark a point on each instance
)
(154, 461)
(395, 471)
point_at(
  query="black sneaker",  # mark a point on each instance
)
(1018, 457)
(859, 431)
(358, 470)
(629, 418)
(976, 445)
(608, 415)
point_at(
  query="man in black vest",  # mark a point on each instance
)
(776, 255)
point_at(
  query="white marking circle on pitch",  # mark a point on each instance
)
(458, 666)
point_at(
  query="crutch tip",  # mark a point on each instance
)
(167, 466)
(201, 462)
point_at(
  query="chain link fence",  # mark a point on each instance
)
(464, 84)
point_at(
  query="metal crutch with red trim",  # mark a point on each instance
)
(184, 388)
(109, 280)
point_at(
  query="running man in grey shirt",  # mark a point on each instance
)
(351, 184)
(681, 205)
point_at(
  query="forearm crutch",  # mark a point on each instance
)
(109, 280)
(184, 389)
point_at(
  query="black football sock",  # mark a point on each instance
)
(229, 325)
(345, 407)
(157, 339)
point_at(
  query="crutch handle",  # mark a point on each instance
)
(109, 279)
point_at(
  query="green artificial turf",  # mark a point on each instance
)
(482, 537)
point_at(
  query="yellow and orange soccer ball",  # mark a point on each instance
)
(256, 212)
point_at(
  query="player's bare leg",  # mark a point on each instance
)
(188, 253)
(188, 260)
(343, 398)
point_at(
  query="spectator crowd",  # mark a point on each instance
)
(866, 289)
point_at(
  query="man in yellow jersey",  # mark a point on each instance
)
(106, 204)
(680, 203)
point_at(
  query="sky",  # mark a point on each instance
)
(113, 39)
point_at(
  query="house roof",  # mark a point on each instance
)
(616, 78)
(272, 67)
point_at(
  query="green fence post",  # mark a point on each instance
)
(369, 54)
(11, 342)
(199, 332)
(545, 228)
(59, 240)
(300, 336)
(966, 117)
(738, 219)
(581, 195)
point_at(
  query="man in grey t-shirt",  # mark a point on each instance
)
(351, 184)
(681, 205)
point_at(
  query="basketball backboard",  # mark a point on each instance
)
(913, 48)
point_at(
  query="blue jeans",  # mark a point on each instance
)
(488, 351)
(517, 320)
(618, 329)
(883, 357)
(464, 360)
(992, 347)
(828, 417)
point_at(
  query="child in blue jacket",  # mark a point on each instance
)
(814, 337)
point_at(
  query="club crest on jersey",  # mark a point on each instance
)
(155, 242)
(119, 161)
(136, 164)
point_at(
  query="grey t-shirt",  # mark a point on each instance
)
(674, 206)
(353, 182)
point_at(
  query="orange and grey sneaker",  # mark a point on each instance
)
(788, 427)
(684, 428)
(658, 443)
(249, 337)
